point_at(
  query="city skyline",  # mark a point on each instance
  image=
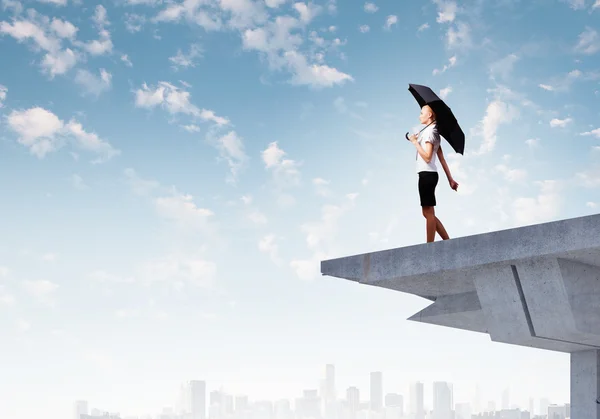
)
(197, 397)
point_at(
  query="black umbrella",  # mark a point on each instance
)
(447, 124)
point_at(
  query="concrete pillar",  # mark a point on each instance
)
(585, 384)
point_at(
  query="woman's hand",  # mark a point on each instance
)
(453, 184)
(413, 138)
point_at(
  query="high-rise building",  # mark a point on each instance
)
(443, 400)
(197, 399)
(544, 403)
(394, 405)
(376, 399)
(557, 412)
(417, 407)
(330, 381)
(353, 398)
(477, 405)
(329, 401)
(462, 411)
(81, 408)
(531, 412)
(241, 403)
(506, 399)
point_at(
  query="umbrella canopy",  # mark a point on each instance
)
(447, 124)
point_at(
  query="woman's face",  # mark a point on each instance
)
(425, 114)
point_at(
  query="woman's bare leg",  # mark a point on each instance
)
(439, 227)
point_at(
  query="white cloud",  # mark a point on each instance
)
(371, 7)
(576, 4)
(100, 46)
(3, 271)
(277, 42)
(257, 217)
(308, 269)
(60, 62)
(78, 182)
(589, 42)
(181, 209)
(544, 207)
(6, 299)
(285, 171)
(174, 206)
(179, 270)
(532, 142)
(316, 75)
(191, 128)
(231, 149)
(54, 2)
(43, 290)
(446, 11)
(497, 113)
(592, 204)
(268, 244)
(174, 100)
(451, 63)
(589, 179)
(321, 186)
(390, 21)
(55, 60)
(423, 27)
(274, 3)
(561, 123)
(596, 4)
(91, 142)
(38, 129)
(43, 132)
(3, 93)
(445, 92)
(134, 22)
(320, 237)
(139, 185)
(307, 11)
(563, 83)
(364, 28)
(126, 60)
(49, 257)
(459, 38)
(100, 17)
(594, 132)
(511, 175)
(186, 60)
(94, 84)
(64, 29)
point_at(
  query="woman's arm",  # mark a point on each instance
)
(442, 160)
(427, 152)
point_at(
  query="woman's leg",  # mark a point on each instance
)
(431, 223)
(439, 227)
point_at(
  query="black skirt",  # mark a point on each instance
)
(427, 183)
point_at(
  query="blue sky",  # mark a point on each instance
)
(173, 172)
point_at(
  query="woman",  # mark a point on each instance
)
(428, 144)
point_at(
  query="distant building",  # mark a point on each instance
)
(376, 398)
(417, 406)
(81, 408)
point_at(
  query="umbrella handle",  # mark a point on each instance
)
(406, 135)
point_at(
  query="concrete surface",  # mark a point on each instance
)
(536, 286)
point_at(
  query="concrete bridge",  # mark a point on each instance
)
(536, 286)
